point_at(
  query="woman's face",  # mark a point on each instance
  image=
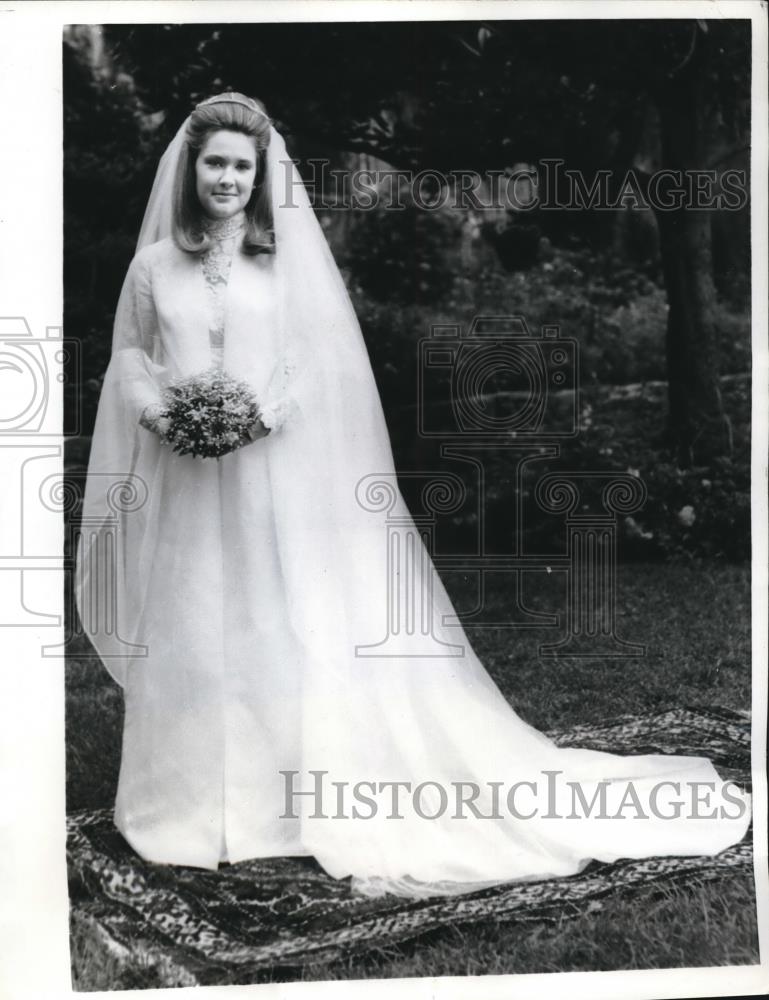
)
(225, 172)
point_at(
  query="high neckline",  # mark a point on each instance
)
(223, 229)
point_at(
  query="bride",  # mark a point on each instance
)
(243, 586)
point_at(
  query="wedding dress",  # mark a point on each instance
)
(252, 726)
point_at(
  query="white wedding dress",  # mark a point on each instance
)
(252, 580)
(220, 646)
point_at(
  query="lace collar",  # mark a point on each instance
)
(224, 229)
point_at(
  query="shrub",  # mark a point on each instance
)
(406, 256)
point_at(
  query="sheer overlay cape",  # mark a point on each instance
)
(415, 717)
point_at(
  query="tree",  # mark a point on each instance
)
(695, 73)
(691, 98)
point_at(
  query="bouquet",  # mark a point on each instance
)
(209, 414)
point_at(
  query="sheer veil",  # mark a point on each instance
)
(332, 478)
(334, 444)
(424, 710)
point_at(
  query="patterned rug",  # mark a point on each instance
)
(194, 927)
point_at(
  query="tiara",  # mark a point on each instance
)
(245, 102)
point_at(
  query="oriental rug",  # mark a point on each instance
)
(194, 927)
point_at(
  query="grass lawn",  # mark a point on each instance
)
(695, 622)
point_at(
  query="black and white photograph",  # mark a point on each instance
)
(403, 434)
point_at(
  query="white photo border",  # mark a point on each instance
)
(34, 931)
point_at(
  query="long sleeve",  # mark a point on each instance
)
(136, 348)
(280, 403)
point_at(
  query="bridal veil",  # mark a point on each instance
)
(430, 713)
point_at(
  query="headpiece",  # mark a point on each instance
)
(233, 98)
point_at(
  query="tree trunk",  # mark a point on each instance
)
(697, 426)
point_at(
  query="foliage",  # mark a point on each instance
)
(701, 512)
(106, 181)
(409, 271)
(403, 256)
(617, 316)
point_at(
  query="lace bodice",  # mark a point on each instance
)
(216, 263)
(165, 333)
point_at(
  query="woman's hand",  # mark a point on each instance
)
(257, 430)
(152, 418)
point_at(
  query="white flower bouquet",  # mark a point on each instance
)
(208, 414)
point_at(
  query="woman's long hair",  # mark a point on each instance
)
(234, 113)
